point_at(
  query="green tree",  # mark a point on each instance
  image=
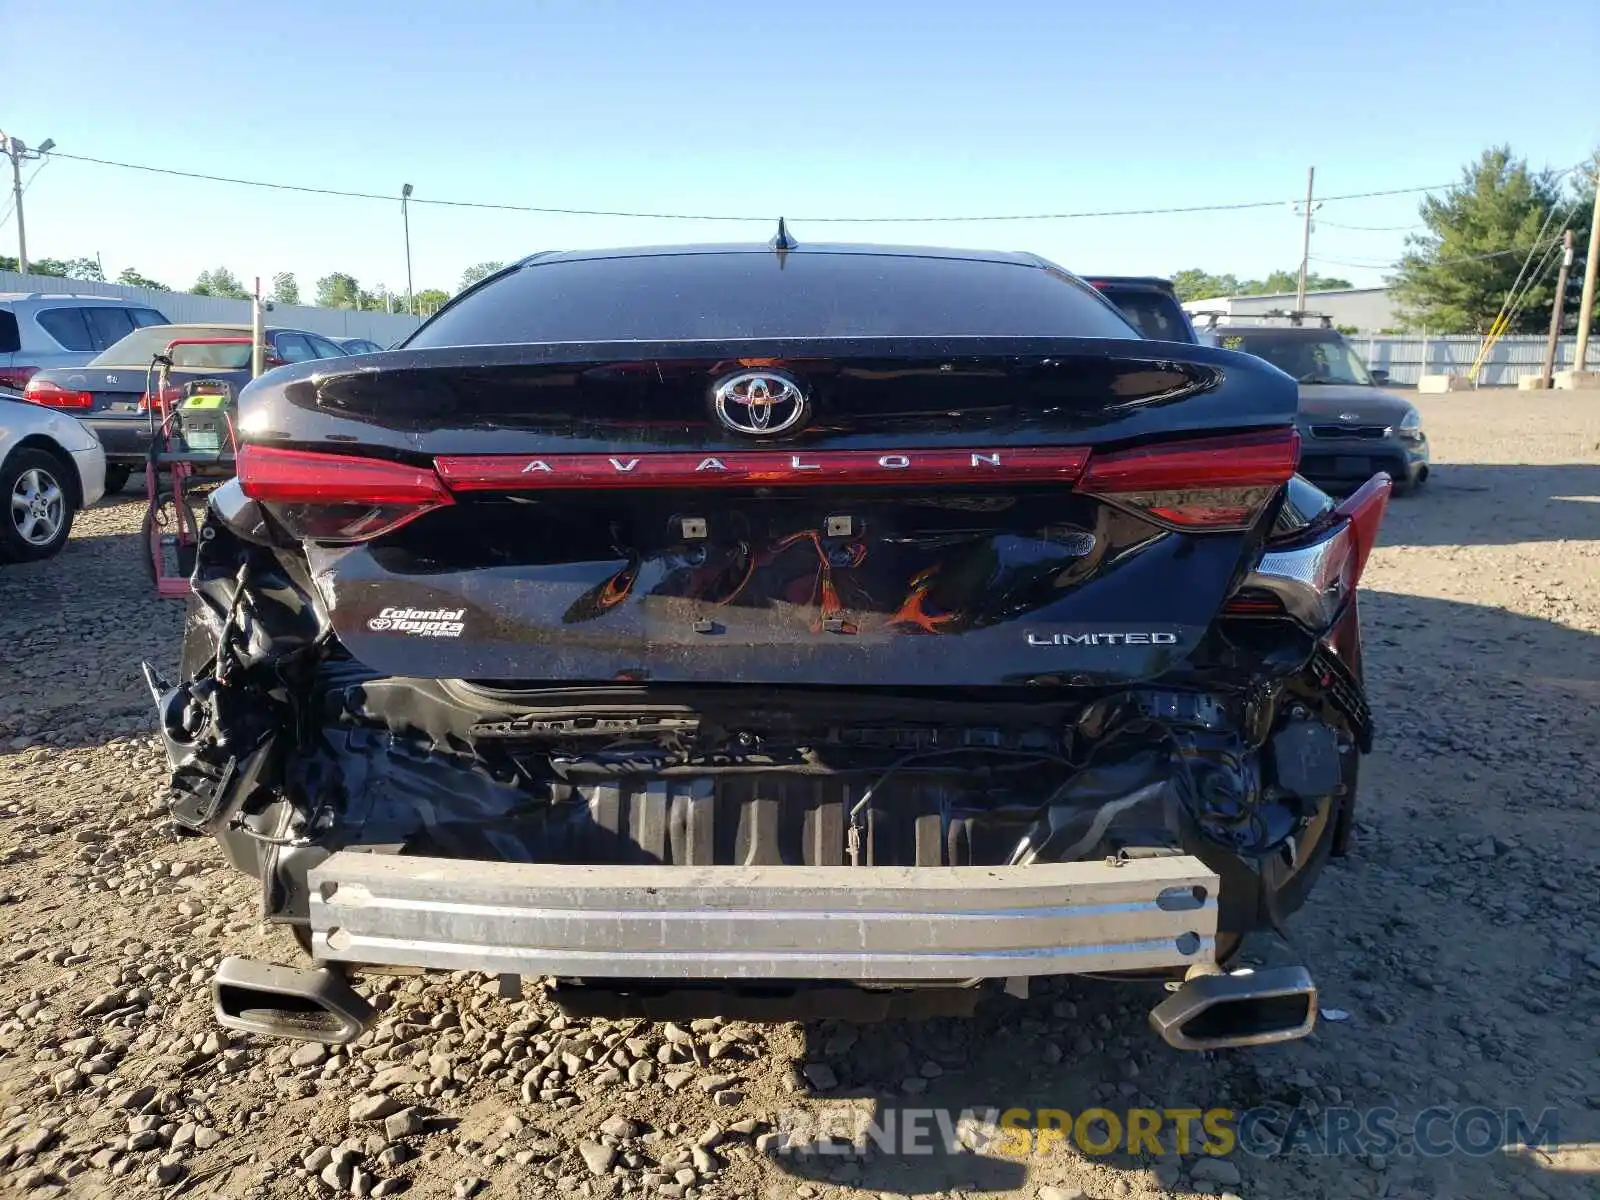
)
(133, 279)
(338, 290)
(1454, 277)
(381, 299)
(54, 267)
(1195, 284)
(430, 301)
(480, 271)
(85, 268)
(1289, 281)
(285, 288)
(7, 263)
(219, 281)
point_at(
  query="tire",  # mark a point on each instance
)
(37, 494)
(1412, 484)
(117, 478)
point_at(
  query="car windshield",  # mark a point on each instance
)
(140, 346)
(1310, 360)
(665, 297)
(1154, 314)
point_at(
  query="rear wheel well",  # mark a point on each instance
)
(69, 468)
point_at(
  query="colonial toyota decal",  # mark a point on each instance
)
(420, 622)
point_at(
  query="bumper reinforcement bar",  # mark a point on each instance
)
(850, 924)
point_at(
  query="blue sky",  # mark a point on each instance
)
(809, 109)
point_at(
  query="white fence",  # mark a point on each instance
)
(183, 308)
(1406, 356)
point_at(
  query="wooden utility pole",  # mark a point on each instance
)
(1586, 307)
(14, 149)
(1556, 308)
(1305, 245)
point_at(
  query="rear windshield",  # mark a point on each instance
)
(1154, 314)
(140, 346)
(1326, 359)
(721, 296)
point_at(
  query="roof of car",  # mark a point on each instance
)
(1316, 332)
(242, 327)
(1015, 257)
(76, 297)
(1144, 281)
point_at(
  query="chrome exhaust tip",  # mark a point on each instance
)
(289, 1002)
(1247, 1008)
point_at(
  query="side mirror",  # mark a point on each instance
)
(1379, 375)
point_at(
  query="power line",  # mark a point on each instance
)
(1373, 228)
(765, 219)
(1373, 263)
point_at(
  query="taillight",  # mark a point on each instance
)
(331, 498)
(1247, 604)
(17, 378)
(53, 395)
(1312, 575)
(1215, 483)
(168, 398)
(1364, 510)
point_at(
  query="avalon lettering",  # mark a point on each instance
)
(766, 464)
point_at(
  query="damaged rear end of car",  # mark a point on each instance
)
(776, 664)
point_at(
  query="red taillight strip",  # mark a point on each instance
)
(1240, 460)
(306, 477)
(1364, 509)
(771, 468)
(48, 394)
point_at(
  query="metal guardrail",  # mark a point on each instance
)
(1408, 356)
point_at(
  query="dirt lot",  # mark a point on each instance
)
(1459, 948)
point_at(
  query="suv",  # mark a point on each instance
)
(1349, 427)
(40, 329)
(1150, 305)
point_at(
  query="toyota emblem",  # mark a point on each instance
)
(761, 403)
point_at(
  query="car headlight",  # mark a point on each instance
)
(1411, 426)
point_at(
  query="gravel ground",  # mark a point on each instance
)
(1458, 949)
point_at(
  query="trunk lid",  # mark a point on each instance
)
(941, 512)
(116, 391)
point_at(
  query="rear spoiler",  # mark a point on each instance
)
(580, 392)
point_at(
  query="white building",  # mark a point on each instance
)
(1368, 310)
